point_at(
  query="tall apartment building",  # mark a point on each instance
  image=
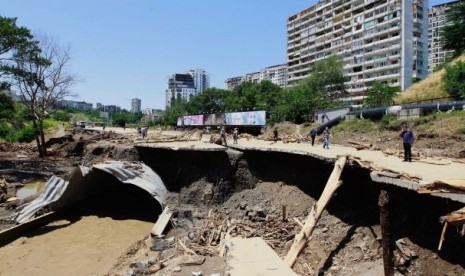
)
(135, 105)
(185, 86)
(437, 20)
(201, 79)
(383, 40)
(277, 74)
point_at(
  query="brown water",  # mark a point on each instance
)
(84, 242)
(29, 189)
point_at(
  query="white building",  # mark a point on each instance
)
(276, 74)
(201, 79)
(185, 86)
(383, 40)
(437, 20)
(135, 105)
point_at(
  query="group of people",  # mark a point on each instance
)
(326, 134)
(223, 135)
(406, 135)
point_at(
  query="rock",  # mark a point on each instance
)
(260, 211)
(156, 268)
(197, 273)
(243, 205)
(177, 269)
(163, 244)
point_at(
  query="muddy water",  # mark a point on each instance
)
(84, 242)
(30, 189)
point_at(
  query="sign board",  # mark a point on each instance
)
(103, 114)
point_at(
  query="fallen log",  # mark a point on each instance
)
(305, 233)
(359, 146)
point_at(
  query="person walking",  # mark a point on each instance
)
(235, 135)
(312, 135)
(407, 140)
(326, 135)
(223, 135)
(275, 135)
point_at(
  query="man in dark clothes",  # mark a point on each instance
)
(312, 135)
(407, 140)
(275, 135)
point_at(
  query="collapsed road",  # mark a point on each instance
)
(255, 189)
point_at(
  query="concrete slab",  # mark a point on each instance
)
(254, 257)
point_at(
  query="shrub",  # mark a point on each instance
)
(454, 80)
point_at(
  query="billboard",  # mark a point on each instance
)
(191, 120)
(215, 119)
(249, 118)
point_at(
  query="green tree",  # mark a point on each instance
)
(7, 107)
(452, 35)
(327, 77)
(12, 40)
(454, 80)
(209, 101)
(380, 95)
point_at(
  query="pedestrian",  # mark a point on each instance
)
(235, 135)
(312, 135)
(407, 140)
(275, 134)
(223, 135)
(326, 135)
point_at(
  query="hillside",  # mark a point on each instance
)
(429, 88)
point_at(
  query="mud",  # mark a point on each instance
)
(87, 240)
(109, 235)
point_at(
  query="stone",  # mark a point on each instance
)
(197, 273)
(177, 269)
(243, 205)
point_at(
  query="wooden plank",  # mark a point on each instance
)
(302, 238)
(254, 257)
(161, 223)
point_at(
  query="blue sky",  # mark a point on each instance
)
(126, 49)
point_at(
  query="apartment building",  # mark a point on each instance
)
(201, 79)
(277, 74)
(383, 40)
(135, 105)
(79, 105)
(437, 20)
(186, 85)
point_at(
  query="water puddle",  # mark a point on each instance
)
(30, 189)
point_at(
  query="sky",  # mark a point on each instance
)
(124, 49)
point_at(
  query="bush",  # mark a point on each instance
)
(390, 122)
(25, 134)
(356, 126)
(454, 80)
(5, 129)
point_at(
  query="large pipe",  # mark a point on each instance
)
(379, 112)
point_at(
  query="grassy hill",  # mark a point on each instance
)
(429, 88)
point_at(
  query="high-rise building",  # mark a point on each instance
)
(135, 105)
(180, 87)
(437, 20)
(185, 86)
(384, 40)
(201, 79)
(277, 74)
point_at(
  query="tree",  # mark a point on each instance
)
(380, 95)
(327, 77)
(43, 81)
(7, 107)
(452, 35)
(454, 80)
(13, 38)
